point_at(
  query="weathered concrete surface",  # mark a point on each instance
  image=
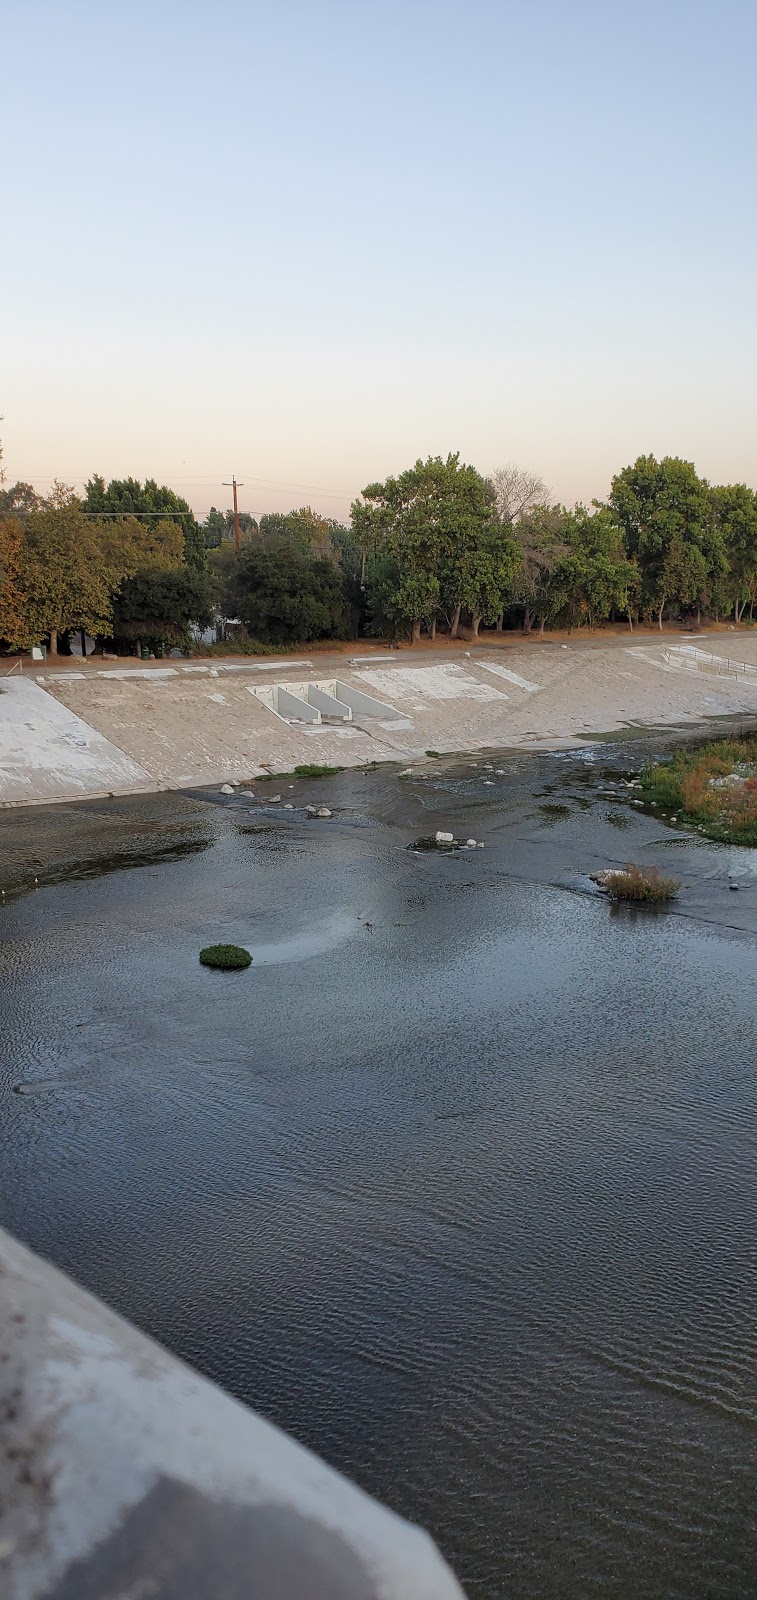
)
(123, 1474)
(47, 752)
(192, 724)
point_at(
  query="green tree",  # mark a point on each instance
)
(214, 529)
(18, 500)
(219, 526)
(541, 539)
(735, 512)
(284, 594)
(305, 527)
(665, 512)
(129, 545)
(151, 502)
(437, 521)
(67, 582)
(16, 625)
(162, 605)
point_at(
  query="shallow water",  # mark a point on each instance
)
(456, 1182)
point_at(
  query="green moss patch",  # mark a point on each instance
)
(227, 957)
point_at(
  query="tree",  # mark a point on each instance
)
(150, 502)
(609, 581)
(19, 500)
(67, 582)
(130, 546)
(541, 540)
(214, 529)
(517, 492)
(735, 511)
(285, 595)
(219, 525)
(664, 509)
(306, 528)
(162, 605)
(16, 628)
(437, 522)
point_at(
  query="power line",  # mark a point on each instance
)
(217, 483)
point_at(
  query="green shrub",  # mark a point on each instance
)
(239, 647)
(640, 883)
(227, 957)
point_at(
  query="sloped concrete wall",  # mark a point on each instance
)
(124, 1474)
(47, 752)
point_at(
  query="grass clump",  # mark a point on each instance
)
(643, 884)
(692, 785)
(309, 770)
(226, 957)
(314, 769)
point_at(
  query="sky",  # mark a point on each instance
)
(306, 243)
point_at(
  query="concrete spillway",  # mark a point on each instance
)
(320, 700)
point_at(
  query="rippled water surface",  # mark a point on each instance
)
(456, 1182)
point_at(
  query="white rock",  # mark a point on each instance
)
(323, 811)
(408, 773)
(444, 838)
(471, 843)
(226, 789)
(312, 810)
(479, 846)
(499, 772)
(273, 798)
(288, 806)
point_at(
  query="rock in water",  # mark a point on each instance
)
(444, 838)
(471, 843)
(323, 811)
(226, 789)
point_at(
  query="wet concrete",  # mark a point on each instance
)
(456, 1182)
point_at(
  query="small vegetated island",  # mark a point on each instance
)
(225, 957)
(714, 788)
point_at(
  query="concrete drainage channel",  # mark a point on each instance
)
(319, 701)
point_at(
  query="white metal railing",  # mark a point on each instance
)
(688, 656)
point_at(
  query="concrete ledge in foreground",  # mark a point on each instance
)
(123, 1473)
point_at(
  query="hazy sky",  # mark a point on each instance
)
(307, 242)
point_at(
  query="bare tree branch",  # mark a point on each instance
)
(517, 491)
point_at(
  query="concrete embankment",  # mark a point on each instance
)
(69, 734)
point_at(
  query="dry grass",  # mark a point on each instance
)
(642, 884)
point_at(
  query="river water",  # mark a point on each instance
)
(456, 1183)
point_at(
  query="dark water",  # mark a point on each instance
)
(456, 1183)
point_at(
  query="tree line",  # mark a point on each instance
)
(438, 547)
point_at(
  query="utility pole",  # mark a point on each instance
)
(234, 485)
